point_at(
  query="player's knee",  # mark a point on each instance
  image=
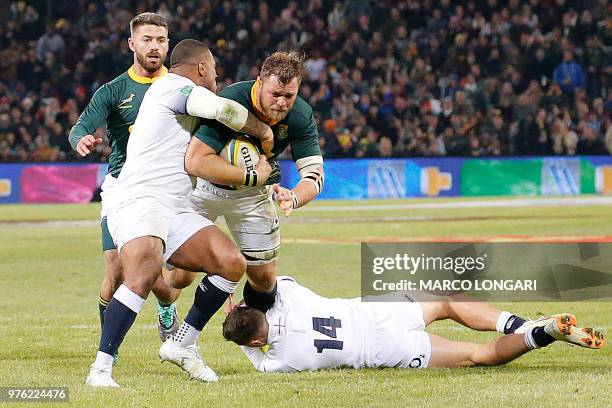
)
(141, 284)
(114, 272)
(477, 356)
(113, 265)
(180, 278)
(262, 277)
(142, 270)
(232, 265)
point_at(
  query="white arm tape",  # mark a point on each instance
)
(203, 103)
(233, 114)
(308, 164)
(311, 170)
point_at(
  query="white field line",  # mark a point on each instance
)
(51, 223)
(97, 326)
(507, 202)
(496, 203)
(442, 238)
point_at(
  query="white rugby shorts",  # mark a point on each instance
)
(147, 216)
(106, 193)
(250, 215)
(400, 339)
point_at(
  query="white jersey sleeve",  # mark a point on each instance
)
(266, 362)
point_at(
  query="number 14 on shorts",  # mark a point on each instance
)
(327, 326)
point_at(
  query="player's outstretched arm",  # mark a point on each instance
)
(262, 363)
(93, 117)
(206, 104)
(203, 161)
(87, 144)
(310, 185)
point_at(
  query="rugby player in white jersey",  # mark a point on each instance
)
(307, 332)
(151, 218)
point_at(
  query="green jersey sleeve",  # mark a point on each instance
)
(306, 142)
(94, 116)
(213, 133)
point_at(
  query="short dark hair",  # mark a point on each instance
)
(242, 324)
(285, 65)
(187, 51)
(148, 19)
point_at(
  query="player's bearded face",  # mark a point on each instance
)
(276, 99)
(150, 45)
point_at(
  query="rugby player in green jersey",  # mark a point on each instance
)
(116, 104)
(250, 212)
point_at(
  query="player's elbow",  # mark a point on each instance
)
(233, 114)
(195, 162)
(190, 162)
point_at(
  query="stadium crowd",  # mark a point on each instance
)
(385, 78)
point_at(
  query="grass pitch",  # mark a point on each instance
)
(49, 326)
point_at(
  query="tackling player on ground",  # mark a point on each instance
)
(116, 105)
(249, 212)
(307, 332)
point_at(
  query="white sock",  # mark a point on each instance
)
(529, 341)
(222, 283)
(501, 321)
(129, 298)
(186, 335)
(103, 360)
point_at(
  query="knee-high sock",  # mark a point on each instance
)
(118, 318)
(210, 295)
(259, 300)
(102, 305)
(507, 323)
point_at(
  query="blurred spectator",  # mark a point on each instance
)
(569, 74)
(50, 42)
(385, 78)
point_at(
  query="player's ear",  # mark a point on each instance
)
(256, 343)
(131, 44)
(202, 69)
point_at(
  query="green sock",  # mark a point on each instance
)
(102, 304)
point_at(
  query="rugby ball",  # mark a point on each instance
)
(241, 152)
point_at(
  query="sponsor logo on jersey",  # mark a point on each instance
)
(126, 103)
(187, 90)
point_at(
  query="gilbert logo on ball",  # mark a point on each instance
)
(241, 152)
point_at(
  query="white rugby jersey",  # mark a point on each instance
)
(309, 332)
(155, 164)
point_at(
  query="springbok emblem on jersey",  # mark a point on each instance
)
(282, 132)
(125, 104)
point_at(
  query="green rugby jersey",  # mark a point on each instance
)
(298, 129)
(115, 104)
